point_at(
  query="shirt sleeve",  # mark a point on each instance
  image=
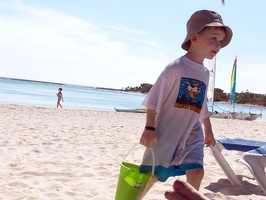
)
(160, 91)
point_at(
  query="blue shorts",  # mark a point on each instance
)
(164, 173)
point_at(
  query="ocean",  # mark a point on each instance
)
(43, 94)
(33, 93)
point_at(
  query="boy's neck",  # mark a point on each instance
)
(194, 57)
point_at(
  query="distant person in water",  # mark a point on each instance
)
(60, 97)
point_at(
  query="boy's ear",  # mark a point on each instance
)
(194, 38)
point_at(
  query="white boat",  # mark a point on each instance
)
(253, 116)
(243, 116)
(222, 115)
(134, 110)
(231, 113)
(210, 93)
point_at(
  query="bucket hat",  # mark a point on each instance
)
(201, 19)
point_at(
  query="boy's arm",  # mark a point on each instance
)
(209, 137)
(148, 136)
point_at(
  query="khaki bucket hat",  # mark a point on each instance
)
(201, 19)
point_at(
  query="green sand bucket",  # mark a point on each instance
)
(131, 182)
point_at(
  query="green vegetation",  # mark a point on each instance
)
(241, 98)
(143, 88)
(219, 95)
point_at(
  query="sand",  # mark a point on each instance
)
(49, 153)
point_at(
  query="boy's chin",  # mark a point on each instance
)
(210, 57)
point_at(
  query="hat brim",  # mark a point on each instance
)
(228, 34)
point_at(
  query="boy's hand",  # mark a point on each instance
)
(209, 140)
(148, 138)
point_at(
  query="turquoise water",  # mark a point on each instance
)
(32, 93)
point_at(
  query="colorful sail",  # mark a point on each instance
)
(233, 85)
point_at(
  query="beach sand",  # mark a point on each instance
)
(49, 153)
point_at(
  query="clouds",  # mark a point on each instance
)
(116, 46)
(44, 44)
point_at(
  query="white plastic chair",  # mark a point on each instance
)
(253, 158)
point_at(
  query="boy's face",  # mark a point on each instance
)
(209, 41)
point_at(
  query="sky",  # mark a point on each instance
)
(120, 43)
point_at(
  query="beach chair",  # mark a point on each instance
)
(254, 158)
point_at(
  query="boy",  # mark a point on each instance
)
(176, 105)
(60, 97)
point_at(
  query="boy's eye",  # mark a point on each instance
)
(216, 40)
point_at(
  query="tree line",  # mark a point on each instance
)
(219, 95)
(241, 98)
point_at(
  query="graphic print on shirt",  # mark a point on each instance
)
(191, 94)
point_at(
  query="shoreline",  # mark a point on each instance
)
(260, 109)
